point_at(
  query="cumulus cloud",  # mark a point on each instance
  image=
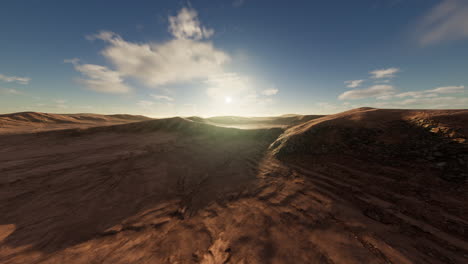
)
(188, 56)
(100, 78)
(184, 58)
(354, 83)
(384, 73)
(178, 60)
(20, 80)
(162, 97)
(446, 21)
(373, 91)
(269, 92)
(187, 26)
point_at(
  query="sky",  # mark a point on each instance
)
(232, 57)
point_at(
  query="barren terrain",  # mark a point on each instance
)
(29, 122)
(363, 186)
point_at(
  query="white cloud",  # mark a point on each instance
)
(103, 35)
(433, 92)
(381, 81)
(446, 21)
(10, 91)
(387, 92)
(181, 59)
(354, 83)
(20, 80)
(189, 56)
(389, 97)
(439, 102)
(414, 95)
(145, 103)
(373, 91)
(269, 92)
(187, 26)
(434, 103)
(448, 89)
(175, 61)
(162, 97)
(385, 96)
(100, 78)
(384, 73)
(433, 98)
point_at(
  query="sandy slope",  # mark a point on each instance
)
(434, 139)
(178, 191)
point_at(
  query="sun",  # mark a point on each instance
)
(227, 99)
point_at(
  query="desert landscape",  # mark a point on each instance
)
(362, 186)
(234, 132)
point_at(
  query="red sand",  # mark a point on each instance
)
(177, 191)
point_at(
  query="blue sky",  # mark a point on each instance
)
(232, 57)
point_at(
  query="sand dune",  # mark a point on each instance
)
(363, 186)
(432, 139)
(28, 122)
